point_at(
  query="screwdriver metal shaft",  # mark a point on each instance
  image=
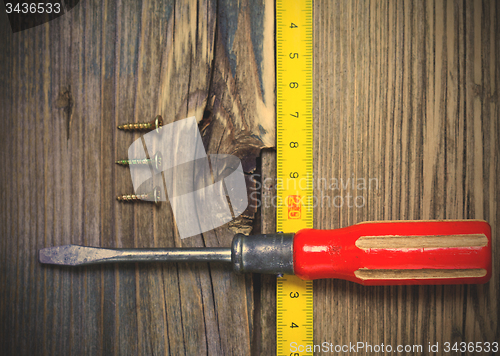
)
(74, 255)
(272, 253)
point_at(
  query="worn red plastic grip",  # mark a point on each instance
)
(335, 254)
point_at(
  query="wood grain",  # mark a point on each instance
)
(421, 241)
(68, 84)
(367, 274)
(405, 93)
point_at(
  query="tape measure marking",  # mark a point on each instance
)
(294, 313)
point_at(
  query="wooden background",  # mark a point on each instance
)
(405, 92)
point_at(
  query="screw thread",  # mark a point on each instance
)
(152, 196)
(132, 197)
(141, 126)
(135, 126)
(128, 162)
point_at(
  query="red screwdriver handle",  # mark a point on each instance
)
(397, 252)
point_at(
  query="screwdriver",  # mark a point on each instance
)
(368, 253)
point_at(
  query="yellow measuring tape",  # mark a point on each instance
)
(294, 50)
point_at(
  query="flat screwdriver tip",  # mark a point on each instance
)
(73, 255)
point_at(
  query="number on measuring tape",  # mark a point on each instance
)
(294, 313)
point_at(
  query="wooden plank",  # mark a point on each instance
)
(7, 96)
(151, 321)
(265, 285)
(108, 291)
(72, 81)
(400, 96)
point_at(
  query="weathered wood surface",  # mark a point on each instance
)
(405, 92)
(66, 86)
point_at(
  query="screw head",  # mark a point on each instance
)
(158, 161)
(158, 123)
(157, 194)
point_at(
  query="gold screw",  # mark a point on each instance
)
(152, 196)
(156, 161)
(152, 125)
